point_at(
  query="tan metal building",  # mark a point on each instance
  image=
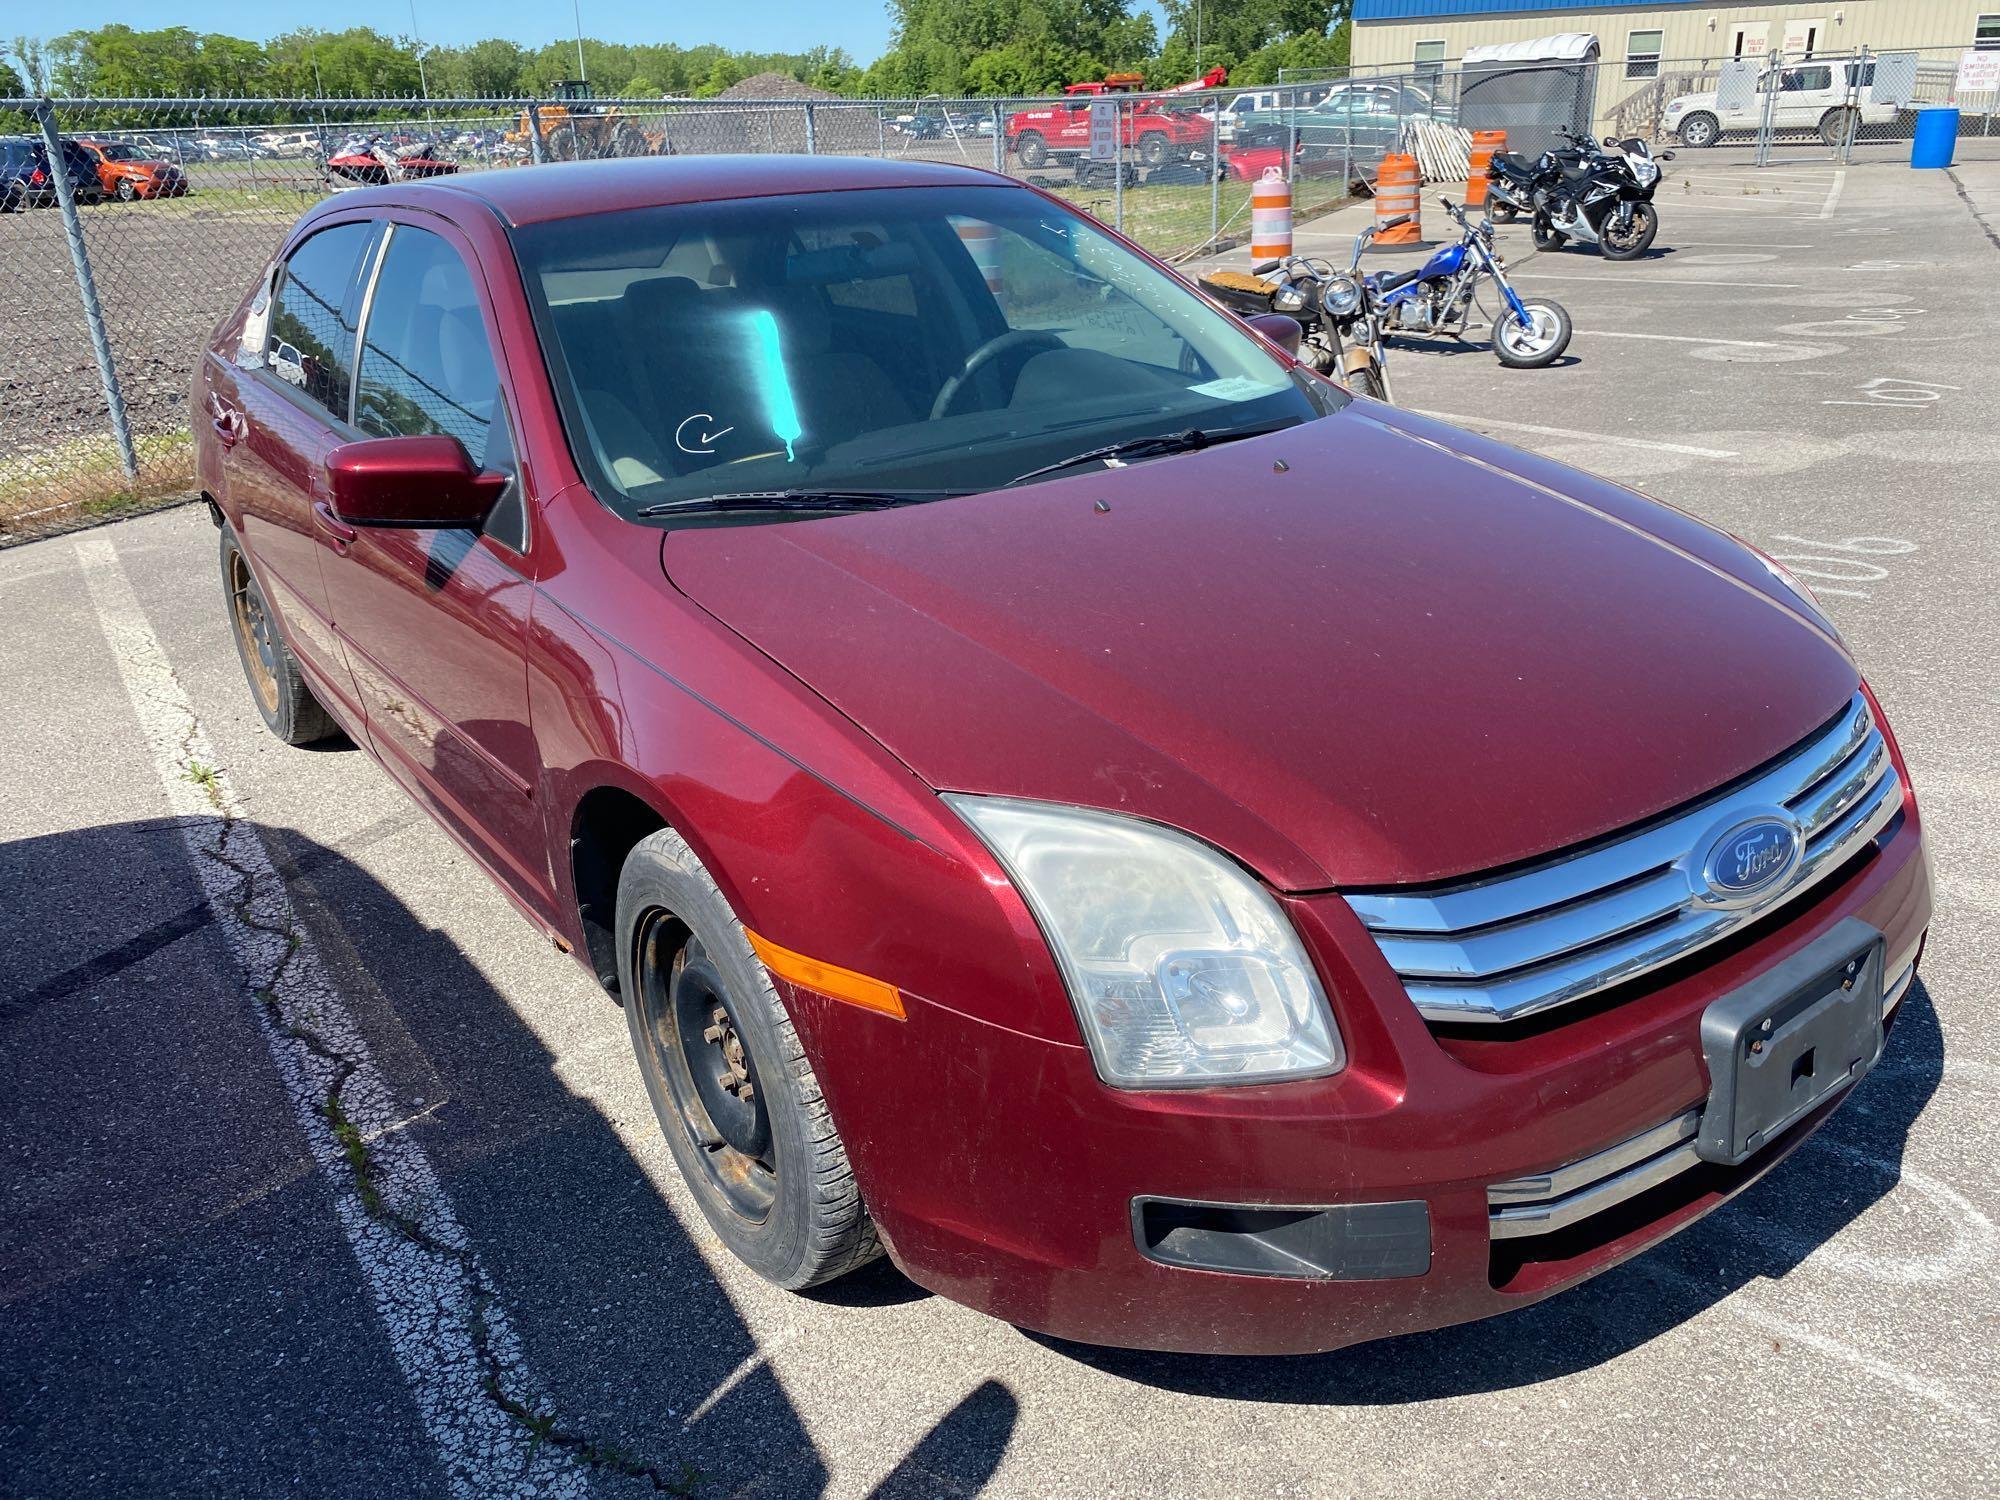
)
(1636, 38)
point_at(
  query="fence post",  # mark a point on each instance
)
(881, 132)
(86, 286)
(812, 134)
(535, 133)
(1214, 169)
(1118, 172)
(1846, 154)
(1775, 74)
(999, 140)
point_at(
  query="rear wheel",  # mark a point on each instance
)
(1546, 235)
(1539, 344)
(1032, 149)
(1699, 130)
(1633, 239)
(1501, 213)
(286, 704)
(1834, 126)
(733, 1090)
(561, 144)
(1154, 148)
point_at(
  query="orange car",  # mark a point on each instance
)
(127, 174)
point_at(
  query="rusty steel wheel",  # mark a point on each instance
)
(277, 685)
(735, 1094)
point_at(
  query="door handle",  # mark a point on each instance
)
(226, 420)
(333, 526)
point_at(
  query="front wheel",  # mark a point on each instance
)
(732, 1087)
(1539, 344)
(1546, 235)
(1699, 130)
(1366, 380)
(127, 190)
(1633, 239)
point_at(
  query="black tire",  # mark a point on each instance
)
(1553, 327)
(1645, 226)
(1546, 235)
(277, 685)
(751, 1132)
(1367, 381)
(1502, 213)
(562, 144)
(1833, 126)
(127, 190)
(1032, 149)
(1154, 148)
(1699, 130)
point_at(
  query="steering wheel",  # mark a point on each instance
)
(984, 355)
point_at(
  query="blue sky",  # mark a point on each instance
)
(861, 26)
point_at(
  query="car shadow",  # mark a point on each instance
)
(163, 1206)
(1764, 1234)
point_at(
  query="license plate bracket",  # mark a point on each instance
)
(1789, 1040)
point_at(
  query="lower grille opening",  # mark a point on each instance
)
(1346, 1242)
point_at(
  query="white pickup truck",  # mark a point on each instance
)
(1817, 96)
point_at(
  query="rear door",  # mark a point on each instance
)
(277, 411)
(433, 623)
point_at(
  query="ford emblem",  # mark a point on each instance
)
(1747, 858)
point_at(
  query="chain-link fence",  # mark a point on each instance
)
(120, 262)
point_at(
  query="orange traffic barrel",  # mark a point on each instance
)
(1399, 191)
(1484, 144)
(1271, 216)
(982, 242)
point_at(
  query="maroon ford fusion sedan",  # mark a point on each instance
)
(1176, 856)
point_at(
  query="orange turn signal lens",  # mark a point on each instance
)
(828, 979)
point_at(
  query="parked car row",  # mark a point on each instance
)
(98, 169)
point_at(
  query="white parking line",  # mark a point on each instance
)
(436, 1301)
(1682, 338)
(1778, 286)
(1833, 195)
(1738, 245)
(1567, 432)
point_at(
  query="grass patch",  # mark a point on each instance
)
(83, 476)
(1174, 219)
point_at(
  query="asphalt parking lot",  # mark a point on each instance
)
(188, 1306)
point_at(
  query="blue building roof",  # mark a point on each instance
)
(1409, 10)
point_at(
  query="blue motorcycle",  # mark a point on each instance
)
(1437, 299)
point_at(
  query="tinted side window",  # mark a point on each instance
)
(311, 340)
(426, 366)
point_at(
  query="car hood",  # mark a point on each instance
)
(1368, 650)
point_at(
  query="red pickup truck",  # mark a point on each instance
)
(1155, 131)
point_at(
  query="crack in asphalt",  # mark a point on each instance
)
(438, 1303)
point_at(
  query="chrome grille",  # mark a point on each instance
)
(1498, 948)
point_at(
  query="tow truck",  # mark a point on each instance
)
(1155, 131)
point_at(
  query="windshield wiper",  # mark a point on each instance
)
(1157, 446)
(794, 499)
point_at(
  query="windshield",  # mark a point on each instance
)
(919, 341)
(116, 152)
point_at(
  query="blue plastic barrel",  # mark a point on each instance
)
(1937, 134)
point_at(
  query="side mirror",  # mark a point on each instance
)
(1279, 329)
(422, 482)
(1666, 156)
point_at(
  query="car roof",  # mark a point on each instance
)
(535, 195)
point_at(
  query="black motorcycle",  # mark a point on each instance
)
(1594, 194)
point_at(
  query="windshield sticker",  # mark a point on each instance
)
(1232, 388)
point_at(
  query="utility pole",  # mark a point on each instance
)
(576, 10)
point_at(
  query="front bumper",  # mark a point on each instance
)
(1005, 1175)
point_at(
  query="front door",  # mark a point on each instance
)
(281, 401)
(434, 622)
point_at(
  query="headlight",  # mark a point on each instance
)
(1288, 299)
(1182, 968)
(1340, 296)
(1644, 172)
